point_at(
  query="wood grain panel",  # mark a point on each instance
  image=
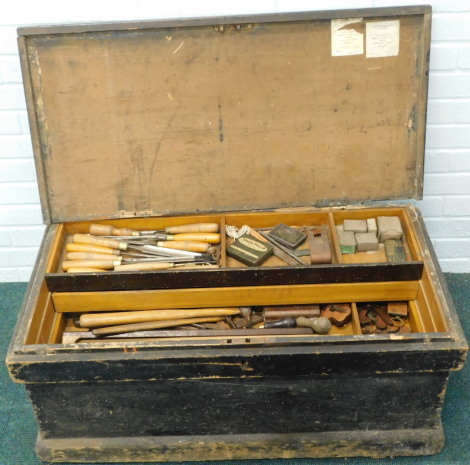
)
(235, 296)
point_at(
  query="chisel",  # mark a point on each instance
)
(151, 325)
(108, 230)
(102, 242)
(91, 320)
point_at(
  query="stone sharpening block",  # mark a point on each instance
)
(389, 227)
(356, 226)
(366, 242)
(347, 242)
(249, 250)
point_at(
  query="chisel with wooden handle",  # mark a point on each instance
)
(100, 264)
(191, 246)
(90, 248)
(92, 256)
(211, 238)
(108, 230)
(152, 325)
(91, 320)
(102, 242)
(85, 270)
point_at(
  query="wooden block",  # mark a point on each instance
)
(397, 309)
(357, 226)
(347, 242)
(366, 242)
(389, 227)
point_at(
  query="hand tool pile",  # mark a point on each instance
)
(383, 317)
(253, 246)
(242, 321)
(107, 248)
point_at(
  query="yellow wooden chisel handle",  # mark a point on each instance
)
(144, 266)
(108, 230)
(119, 329)
(100, 264)
(102, 242)
(92, 320)
(92, 256)
(90, 248)
(191, 246)
(211, 238)
(193, 228)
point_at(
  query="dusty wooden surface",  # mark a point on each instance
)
(169, 119)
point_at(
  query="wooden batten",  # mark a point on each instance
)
(241, 296)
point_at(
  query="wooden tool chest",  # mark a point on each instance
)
(299, 120)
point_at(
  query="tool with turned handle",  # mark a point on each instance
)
(108, 230)
(91, 320)
(102, 242)
(152, 325)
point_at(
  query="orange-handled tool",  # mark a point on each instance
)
(108, 230)
(91, 320)
(85, 270)
(100, 264)
(144, 266)
(110, 243)
(120, 329)
(193, 228)
(91, 249)
(211, 238)
(92, 256)
(190, 246)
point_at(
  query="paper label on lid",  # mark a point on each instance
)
(345, 40)
(382, 39)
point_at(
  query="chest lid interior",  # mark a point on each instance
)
(259, 112)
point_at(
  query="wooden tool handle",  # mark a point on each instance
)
(211, 238)
(144, 266)
(119, 329)
(190, 246)
(92, 240)
(91, 249)
(108, 230)
(92, 320)
(100, 264)
(85, 270)
(193, 228)
(92, 256)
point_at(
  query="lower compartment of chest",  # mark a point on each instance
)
(245, 418)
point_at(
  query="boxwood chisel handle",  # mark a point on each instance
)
(152, 325)
(211, 238)
(91, 249)
(144, 266)
(190, 246)
(108, 230)
(92, 256)
(85, 270)
(100, 264)
(110, 243)
(193, 228)
(91, 320)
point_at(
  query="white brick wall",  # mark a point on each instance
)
(446, 205)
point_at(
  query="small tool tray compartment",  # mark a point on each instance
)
(228, 271)
(65, 297)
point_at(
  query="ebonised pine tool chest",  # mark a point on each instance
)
(291, 124)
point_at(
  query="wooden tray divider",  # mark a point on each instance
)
(336, 252)
(414, 317)
(356, 325)
(39, 315)
(56, 250)
(234, 296)
(410, 238)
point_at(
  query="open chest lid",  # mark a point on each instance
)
(223, 114)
